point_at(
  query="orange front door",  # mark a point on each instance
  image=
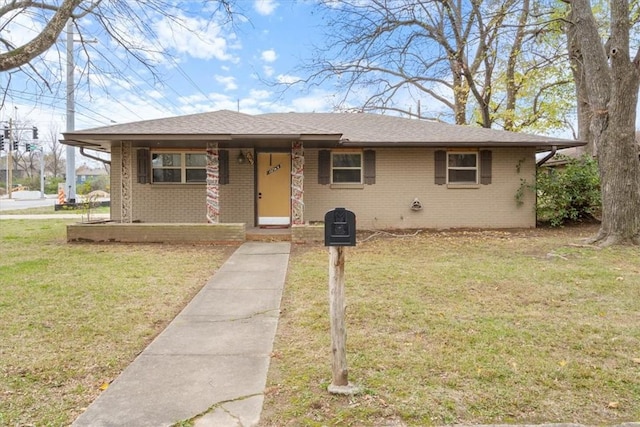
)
(274, 188)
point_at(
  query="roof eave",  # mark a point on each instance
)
(542, 146)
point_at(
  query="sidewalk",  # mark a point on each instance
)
(212, 359)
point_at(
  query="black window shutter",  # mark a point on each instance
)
(485, 167)
(223, 163)
(369, 167)
(324, 167)
(144, 166)
(440, 157)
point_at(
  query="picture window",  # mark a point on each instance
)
(178, 167)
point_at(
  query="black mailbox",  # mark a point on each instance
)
(339, 228)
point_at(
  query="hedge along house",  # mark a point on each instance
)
(289, 169)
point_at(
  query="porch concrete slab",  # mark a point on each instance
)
(210, 364)
(258, 248)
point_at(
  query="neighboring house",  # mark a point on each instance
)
(288, 169)
(84, 173)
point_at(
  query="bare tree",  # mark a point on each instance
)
(126, 23)
(54, 163)
(483, 61)
(608, 76)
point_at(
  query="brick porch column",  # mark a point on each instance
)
(297, 183)
(126, 182)
(213, 183)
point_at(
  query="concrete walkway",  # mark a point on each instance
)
(211, 362)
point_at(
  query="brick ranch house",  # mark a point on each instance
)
(289, 169)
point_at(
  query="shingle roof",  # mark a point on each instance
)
(223, 122)
(366, 129)
(352, 129)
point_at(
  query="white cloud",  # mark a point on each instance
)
(268, 71)
(269, 55)
(229, 82)
(259, 94)
(195, 38)
(287, 79)
(265, 7)
(318, 101)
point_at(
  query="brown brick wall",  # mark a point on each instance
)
(307, 233)
(157, 233)
(405, 174)
(115, 182)
(402, 174)
(237, 198)
(185, 203)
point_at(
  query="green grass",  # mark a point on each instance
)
(48, 210)
(74, 316)
(464, 327)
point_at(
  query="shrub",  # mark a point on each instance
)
(51, 184)
(571, 193)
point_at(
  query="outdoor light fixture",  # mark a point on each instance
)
(241, 158)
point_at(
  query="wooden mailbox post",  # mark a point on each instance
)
(339, 231)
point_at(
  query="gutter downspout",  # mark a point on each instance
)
(542, 161)
(108, 162)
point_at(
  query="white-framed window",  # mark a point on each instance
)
(346, 167)
(178, 167)
(462, 167)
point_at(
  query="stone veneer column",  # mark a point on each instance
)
(213, 186)
(297, 183)
(125, 183)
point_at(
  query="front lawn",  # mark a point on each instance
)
(469, 327)
(74, 316)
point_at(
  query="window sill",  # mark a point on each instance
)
(347, 186)
(463, 186)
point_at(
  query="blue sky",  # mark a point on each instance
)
(210, 67)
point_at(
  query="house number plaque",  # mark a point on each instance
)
(273, 169)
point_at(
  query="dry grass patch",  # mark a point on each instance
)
(464, 327)
(74, 316)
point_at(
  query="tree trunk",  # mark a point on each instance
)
(582, 95)
(612, 82)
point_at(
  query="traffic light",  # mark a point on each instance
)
(27, 147)
(1, 141)
(15, 145)
(6, 132)
(35, 132)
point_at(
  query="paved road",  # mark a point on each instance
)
(11, 204)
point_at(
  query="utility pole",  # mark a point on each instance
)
(10, 160)
(70, 182)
